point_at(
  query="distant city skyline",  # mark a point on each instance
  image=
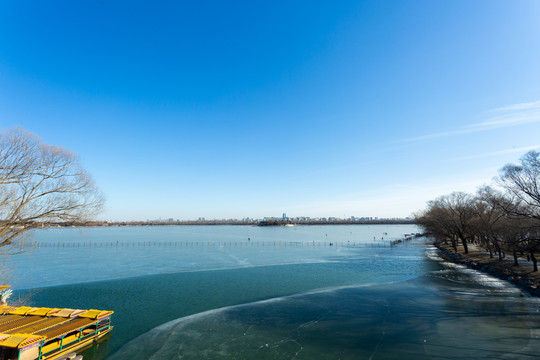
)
(303, 218)
(241, 109)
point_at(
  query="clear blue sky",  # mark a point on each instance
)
(229, 109)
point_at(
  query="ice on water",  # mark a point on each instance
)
(404, 320)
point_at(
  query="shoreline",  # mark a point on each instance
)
(522, 275)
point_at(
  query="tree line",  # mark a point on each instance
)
(502, 218)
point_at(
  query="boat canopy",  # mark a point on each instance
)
(47, 333)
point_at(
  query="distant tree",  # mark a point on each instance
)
(40, 184)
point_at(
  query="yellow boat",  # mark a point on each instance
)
(32, 333)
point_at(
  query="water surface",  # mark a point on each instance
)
(285, 293)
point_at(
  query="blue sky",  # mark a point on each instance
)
(234, 109)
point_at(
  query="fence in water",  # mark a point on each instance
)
(210, 243)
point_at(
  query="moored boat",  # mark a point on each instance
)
(39, 333)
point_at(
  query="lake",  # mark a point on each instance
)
(304, 292)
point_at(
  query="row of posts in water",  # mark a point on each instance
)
(186, 244)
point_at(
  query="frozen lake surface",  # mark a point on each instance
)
(237, 292)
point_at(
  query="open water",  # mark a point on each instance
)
(240, 292)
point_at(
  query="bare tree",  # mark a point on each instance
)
(489, 220)
(41, 184)
(507, 220)
(450, 217)
(461, 215)
(498, 227)
(434, 220)
(523, 184)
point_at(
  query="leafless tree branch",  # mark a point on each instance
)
(40, 184)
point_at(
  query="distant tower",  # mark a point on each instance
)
(284, 216)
